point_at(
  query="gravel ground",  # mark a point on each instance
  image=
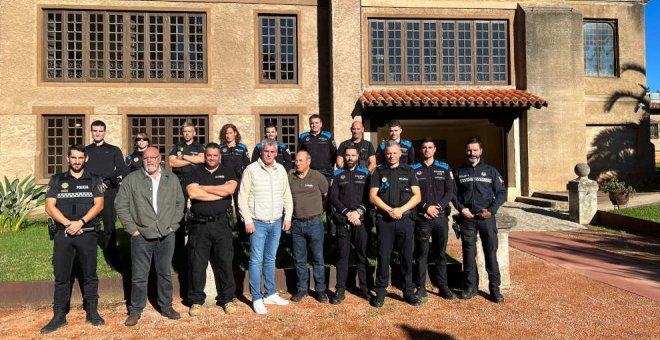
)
(545, 301)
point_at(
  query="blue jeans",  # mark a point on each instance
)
(263, 248)
(309, 234)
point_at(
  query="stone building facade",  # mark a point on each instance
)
(535, 80)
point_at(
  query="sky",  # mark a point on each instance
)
(653, 45)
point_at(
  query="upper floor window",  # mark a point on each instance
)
(278, 49)
(109, 46)
(654, 129)
(438, 51)
(600, 48)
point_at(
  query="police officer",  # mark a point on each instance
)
(395, 193)
(134, 160)
(210, 188)
(436, 183)
(73, 201)
(186, 154)
(320, 145)
(407, 150)
(283, 154)
(234, 156)
(366, 151)
(107, 162)
(349, 197)
(480, 194)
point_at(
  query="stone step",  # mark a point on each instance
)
(556, 196)
(542, 202)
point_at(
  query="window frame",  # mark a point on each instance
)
(615, 48)
(259, 49)
(43, 172)
(653, 129)
(439, 56)
(127, 46)
(172, 134)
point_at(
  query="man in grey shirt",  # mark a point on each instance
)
(150, 205)
(308, 188)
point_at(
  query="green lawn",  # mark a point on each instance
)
(651, 212)
(26, 255)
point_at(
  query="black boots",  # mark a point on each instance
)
(496, 296)
(58, 320)
(339, 296)
(446, 293)
(93, 316)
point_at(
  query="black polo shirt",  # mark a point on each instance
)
(202, 176)
(105, 160)
(74, 196)
(182, 148)
(365, 151)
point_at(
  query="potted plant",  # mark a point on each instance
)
(619, 192)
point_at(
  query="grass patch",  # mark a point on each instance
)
(650, 213)
(27, 255)
(604, 229)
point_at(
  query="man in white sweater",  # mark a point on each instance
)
(264, 197)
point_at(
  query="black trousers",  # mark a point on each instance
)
(357, 236)
(487, 230)
(211, 241)
(392, 234)
(109, 217)
(435, 229)
(64, 250)
(143, 251)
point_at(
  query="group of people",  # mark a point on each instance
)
(356, 186)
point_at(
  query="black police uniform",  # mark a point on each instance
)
(365, 151)
(134, 160)
(322, 149)
(181, 148)
(436, 184)
(349, 192)
(74, 198)
(395, 189)
(107, 162)
(479, 187)
(283, 155)
(407, 152)
(210, 235)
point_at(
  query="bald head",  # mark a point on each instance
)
(357, 131)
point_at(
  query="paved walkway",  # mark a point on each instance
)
(533, 218)
(639, 199)
(639, 277)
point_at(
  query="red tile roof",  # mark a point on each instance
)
(654, 105)
(451, 98)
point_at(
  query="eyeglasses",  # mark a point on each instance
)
(153, 158)
(141, 139)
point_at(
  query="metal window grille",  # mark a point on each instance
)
(600, 48)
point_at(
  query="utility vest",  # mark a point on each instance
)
(395, 189)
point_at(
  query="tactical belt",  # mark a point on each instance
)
(206, 219)
(307, 219)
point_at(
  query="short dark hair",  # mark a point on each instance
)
(76, 147)
(314, 116)
(351, 147)
(212, 145)
(309, 156)
(474, 140)
(393, 123)
(98, 123)
(270, 125)
(428, 140)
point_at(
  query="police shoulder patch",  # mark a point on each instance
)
(327, 134)
(280, 145)
(382, 146)
(259, 146)
(417, 166)
(337, 172)
(305, 134)
(242, 146)
(405, 143)
(441, 164)
(363, 170)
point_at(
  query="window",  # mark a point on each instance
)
(287, 129)
(165, 131)
(107, 46)
(600, 49)
(438, 52)
(59, 133)
(654, 129)
(278, 50)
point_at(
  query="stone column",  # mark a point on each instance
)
(582, 196)
(504, 224)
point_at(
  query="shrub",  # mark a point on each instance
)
(17, 198)
(616, 186)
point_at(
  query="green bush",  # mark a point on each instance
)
(617, 186)
(17, 198)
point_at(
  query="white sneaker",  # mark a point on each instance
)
(275, 299)
(259, 306)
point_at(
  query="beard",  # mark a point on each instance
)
(473, 160)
